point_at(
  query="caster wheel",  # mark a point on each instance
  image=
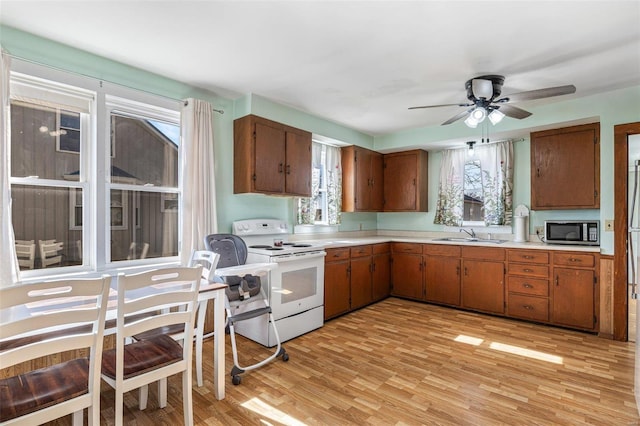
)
(236, 380)
(285, 357)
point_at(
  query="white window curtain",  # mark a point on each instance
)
(199, 195)
(450, 205)
(306, 209)
(496, 164)
(10, 269)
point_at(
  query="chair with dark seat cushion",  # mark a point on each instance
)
(50, 318)
(165, 297)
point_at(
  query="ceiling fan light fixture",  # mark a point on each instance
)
(470, 152)
(471, 122)
(495, 116)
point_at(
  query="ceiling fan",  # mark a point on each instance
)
(484, 92)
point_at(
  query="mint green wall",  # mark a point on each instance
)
(615, 107)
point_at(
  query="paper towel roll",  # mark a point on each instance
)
(519, 229)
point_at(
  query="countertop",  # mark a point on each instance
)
(337, 242)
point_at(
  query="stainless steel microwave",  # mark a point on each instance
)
(576, 232)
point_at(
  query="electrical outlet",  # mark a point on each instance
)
(539, 230)
(608, 225)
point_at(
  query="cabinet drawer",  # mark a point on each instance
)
(361, 251)
(483, 253)
(336, 254)
(574, 259)
(442, 250)
(407, 248)
(527, 307)
(531, 286)
(381, 248)
(528, 256)
(529, 270)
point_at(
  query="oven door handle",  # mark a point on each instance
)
(298, 256)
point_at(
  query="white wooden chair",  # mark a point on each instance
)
(26, 251)
(208, 260)
(50, 252)
(59, 316)
(145, 250)
(149, 298)
(132, 251)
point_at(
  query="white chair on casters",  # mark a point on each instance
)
(66, 387)
(145, 302)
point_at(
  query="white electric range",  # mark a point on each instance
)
(295, 288)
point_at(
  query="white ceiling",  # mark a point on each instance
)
(357, 63)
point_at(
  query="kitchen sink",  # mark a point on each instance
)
(470, 240)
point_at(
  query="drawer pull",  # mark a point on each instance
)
(573, 259)
(526, 256)
(528, 270)
(527, 285)
(528, 307)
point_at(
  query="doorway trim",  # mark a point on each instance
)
(621, 172)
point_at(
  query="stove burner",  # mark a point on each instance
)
(260, 247)
(302, 245)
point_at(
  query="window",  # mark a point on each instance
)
(473, 193)
(325, 204)
(87, 187)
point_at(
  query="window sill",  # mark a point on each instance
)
(315, 229)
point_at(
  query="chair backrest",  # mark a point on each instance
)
(231, 248)
(26, 252)
(58, 316)
(49, 252)
(146, 301)
(209, 261)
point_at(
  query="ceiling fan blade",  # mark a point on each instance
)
(457, 117)
(438, 106)
(514, 112)
(541, 93)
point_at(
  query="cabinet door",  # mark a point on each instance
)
(442, 280)
(298, 164)
(336, 288)
(381, 279)
(565, 168)
(363, 179)
(483, 285)
(361, 293)
(406, 181)
(406, 275)
(401, 177)
(269, 159)
(574, 297)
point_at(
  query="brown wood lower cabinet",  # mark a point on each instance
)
(442, 274)
(575, 290)
(355, 277)
(557, 287)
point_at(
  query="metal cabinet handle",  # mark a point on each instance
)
(528, 270)
(527, 285)
(457, 270)
(528, 307)
(573, 259)
(557, 281)
(288, 169)
(280, 168)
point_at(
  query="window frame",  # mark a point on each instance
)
(41, 82)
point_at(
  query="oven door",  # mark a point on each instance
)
(297, 284)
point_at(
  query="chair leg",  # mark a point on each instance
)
(143, 397)
(202, 312)
(93, 414)
(119, 407)
(162, 392)
(78, 417)
(187, 403)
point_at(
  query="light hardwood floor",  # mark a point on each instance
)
(406, 363)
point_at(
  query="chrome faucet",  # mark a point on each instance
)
(470, 232)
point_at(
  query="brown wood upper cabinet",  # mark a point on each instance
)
(565, 168)
(270, 158)
(405, 181)
(362, 180)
